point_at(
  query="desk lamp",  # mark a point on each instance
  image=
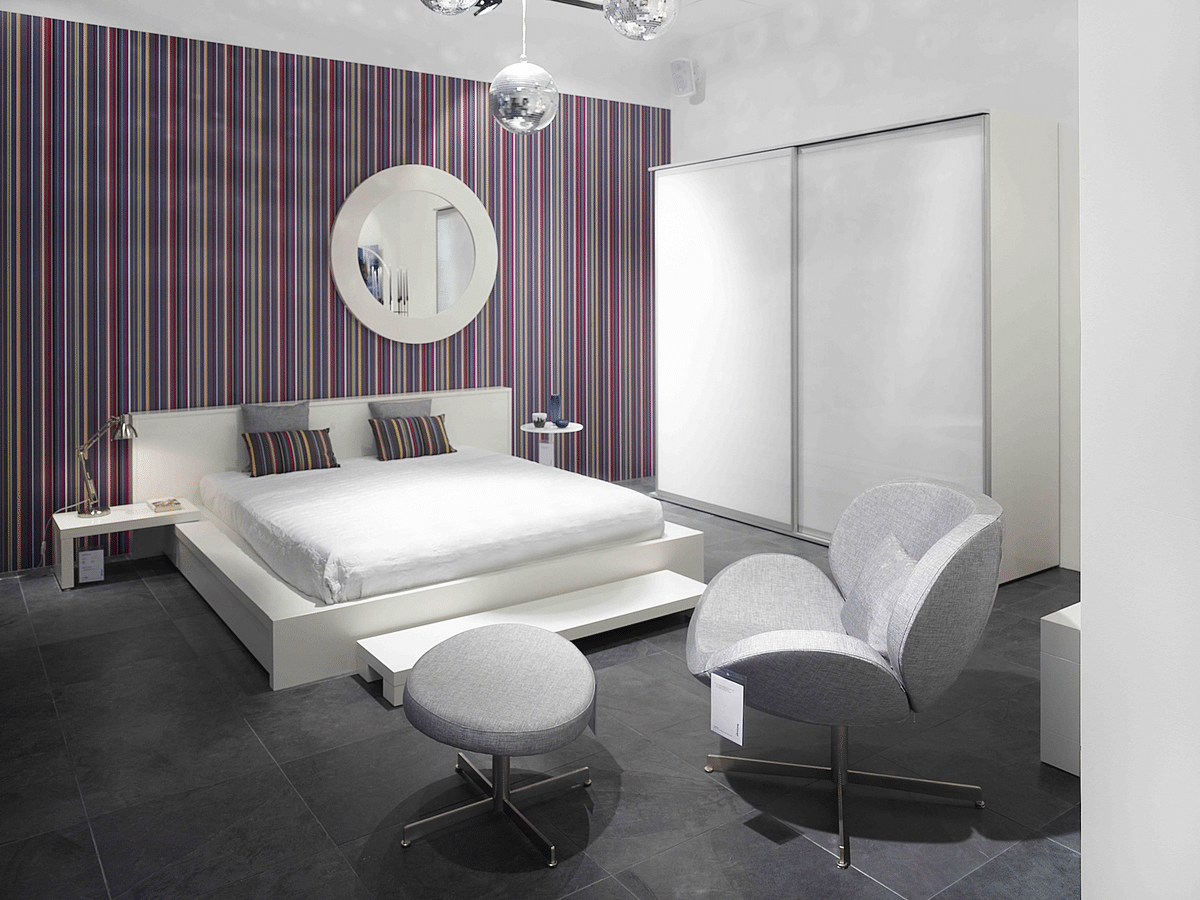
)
(122, 430)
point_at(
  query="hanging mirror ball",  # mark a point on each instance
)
(641, 20)
(523, 98)
(449, 7)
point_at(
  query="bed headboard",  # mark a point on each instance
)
(175, 448)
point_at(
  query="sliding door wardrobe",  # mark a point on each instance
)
(842, 313)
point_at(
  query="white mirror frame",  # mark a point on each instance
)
(343, 254)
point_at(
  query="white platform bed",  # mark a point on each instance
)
(298, 639)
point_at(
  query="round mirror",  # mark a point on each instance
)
(413, 254)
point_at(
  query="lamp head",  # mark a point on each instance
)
(124, 430)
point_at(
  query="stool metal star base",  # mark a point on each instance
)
(500, 799)
(841, 775)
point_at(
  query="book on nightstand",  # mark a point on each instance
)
(166, 504)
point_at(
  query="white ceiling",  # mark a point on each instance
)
(576, 45)
(700, 17)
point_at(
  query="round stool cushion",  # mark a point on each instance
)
(507, 690)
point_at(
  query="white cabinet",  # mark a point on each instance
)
(834, 315)
(1060, 688)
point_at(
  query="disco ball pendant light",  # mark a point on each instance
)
(523, 97)
(641, 20)
(449, 7)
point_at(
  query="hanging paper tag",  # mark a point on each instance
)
(91, 566)
(728, 704)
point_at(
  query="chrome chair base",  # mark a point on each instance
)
(499, 798)
(841, 775)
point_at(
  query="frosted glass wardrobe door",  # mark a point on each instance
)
(891, 314)
(723, 247)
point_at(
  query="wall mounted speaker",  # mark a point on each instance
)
(685, 77)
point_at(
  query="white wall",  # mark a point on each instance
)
(1139, 77)
(824, 68)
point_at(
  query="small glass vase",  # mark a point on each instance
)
(554, 408)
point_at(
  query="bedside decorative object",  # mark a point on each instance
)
(545, 449)
(167, 504)
(561, 423)
(539, 420)
(554, 408)
(124, 430)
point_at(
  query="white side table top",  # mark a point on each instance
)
(128, 517)
(549, 428)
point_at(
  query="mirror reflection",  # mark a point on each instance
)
(415, 253)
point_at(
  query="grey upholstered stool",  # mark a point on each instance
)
(507, 690)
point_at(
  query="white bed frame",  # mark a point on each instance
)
(299, 640)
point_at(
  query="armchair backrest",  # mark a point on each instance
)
(918, 564)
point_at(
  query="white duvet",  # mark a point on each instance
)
(374, 527)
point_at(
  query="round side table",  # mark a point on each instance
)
(547, 431)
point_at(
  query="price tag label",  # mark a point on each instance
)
(91, 566)
(728, 704)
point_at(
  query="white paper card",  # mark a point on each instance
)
(727, 707)
(91, 566)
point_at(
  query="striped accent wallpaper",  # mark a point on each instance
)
(166, 217)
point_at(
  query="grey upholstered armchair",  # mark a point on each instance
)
(915, 569)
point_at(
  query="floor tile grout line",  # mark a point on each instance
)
(62, 732)
(149, 587)
(1055, 840)
(674, 847)
(279, 767)
(575, 893)
(977, 868)
(316, 818)
(866, 874)
(99, 859)
(687, 767)
(328, 749)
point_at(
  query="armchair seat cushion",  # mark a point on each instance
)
(765, 592)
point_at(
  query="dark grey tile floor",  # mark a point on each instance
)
(143, 756)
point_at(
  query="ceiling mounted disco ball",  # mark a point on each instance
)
(523, 98)
(641, 20)
(449, 7)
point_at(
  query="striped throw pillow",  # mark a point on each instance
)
(276, 452)
(404, 438)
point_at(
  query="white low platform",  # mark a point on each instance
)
(1060, 689)
(298, 640)
(577, 614)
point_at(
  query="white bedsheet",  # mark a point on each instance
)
(374, 527)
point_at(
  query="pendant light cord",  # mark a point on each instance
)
(524, 6)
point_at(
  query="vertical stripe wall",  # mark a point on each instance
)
(166, 214)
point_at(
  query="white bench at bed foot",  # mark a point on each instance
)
(573, 615)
